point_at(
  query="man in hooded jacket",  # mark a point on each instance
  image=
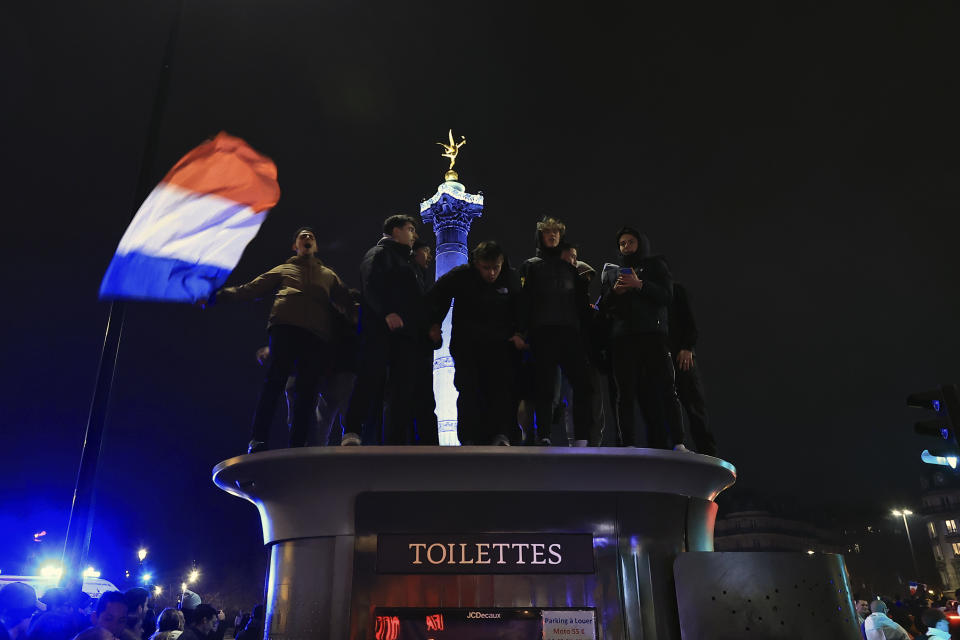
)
(635, 297)
(555, 306)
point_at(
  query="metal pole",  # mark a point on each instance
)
(913, 555)
(80, 525)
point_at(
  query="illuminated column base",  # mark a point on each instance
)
(444, 391)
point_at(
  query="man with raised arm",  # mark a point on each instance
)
(301, 328)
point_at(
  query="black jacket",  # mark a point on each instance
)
(483, 312)
(683, 328)
(641, 310)
(553, 295)
(389, 283)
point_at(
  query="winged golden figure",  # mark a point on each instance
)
(451, 150)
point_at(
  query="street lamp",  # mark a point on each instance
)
(142, 554)
(157, 590)
(194, 575)
(903, 513)
(147, 577)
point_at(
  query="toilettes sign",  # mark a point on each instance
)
(486, 553)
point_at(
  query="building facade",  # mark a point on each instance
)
(764, 531)
(940, 515)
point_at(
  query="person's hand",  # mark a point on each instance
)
(221, 616)
(262, 354)
(394, 321)
(684, 359)
(436, 335)
(630, 280)
(518, 342)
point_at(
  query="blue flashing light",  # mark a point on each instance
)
(146, 578)
(945, 433)
(936, 406)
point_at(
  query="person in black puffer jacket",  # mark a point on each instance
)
(392, 320)
(635, 297)
(555, 308)
(485, 345)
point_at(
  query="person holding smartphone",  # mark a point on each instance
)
(635, 297)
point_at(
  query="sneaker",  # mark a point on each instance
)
(501, 440)
(350, 440)
(682, 449)
(579, 443)
(256, 446)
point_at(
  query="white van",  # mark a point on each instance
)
(93, 587)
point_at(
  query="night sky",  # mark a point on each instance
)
(798, 166)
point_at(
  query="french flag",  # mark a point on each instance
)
(192, 229)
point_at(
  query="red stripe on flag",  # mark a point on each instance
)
(229, 168)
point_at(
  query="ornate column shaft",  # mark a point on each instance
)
(451, 211)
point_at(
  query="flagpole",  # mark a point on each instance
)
(76, 545)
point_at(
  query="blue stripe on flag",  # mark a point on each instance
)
(137, 276)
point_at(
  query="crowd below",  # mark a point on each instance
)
(73, 615)
(537, 361)
(913, 618)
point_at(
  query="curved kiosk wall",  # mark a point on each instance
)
(418, 543)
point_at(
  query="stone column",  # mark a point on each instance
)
(451, 211)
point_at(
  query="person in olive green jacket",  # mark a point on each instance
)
(307, 294)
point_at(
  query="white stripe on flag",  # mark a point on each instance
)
(174, 222)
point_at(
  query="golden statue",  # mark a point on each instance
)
(450, 151)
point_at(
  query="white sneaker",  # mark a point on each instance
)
(501, 440)
(350, 440)
(682, 449)
(579, 443)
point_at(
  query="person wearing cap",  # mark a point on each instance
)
(391, 324)
(301, 328)
(189, 601)
(635, 297)
(57, 600)
(555, 307)
(18, 603)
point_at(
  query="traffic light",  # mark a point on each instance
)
(945, 402)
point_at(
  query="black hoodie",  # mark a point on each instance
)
(484, 312)
(553, 295)
(389, 283)
(641, 310)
